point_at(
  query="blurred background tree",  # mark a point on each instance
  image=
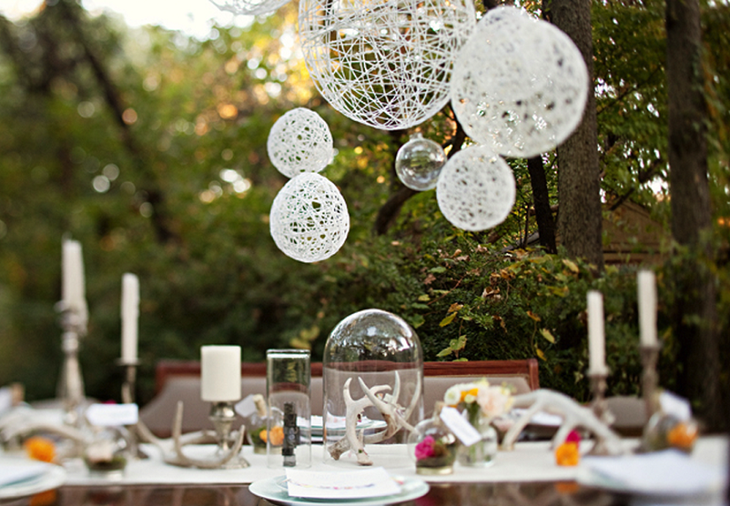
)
(149, 146)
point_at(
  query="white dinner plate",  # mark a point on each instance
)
(272, 489)
(54, 477)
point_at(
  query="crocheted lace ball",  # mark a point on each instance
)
(476, 189)
(249, 7)
(309, 220)
(384, 63)
(519, 84)
(300, 141)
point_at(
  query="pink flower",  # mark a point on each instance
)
(424, 449)
(573, 437)
(494, 401)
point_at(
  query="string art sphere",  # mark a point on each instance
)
(476, 189)
(419, 162)
(300, 141)
(309, 220)
(250, 7)
(384, 63)
(519, 84)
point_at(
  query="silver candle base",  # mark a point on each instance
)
(600, 409)
(649, 377)
(128, 395)
(70, 388)
(222, 414)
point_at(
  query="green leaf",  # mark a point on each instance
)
(416, 321)
(437, 270)
(571, 265)
(424, 298)
(445, 352)
(547, 335)
(447, 320)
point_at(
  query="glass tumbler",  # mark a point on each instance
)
(289, 426)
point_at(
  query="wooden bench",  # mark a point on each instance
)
(177, 380)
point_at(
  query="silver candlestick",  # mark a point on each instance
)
(649, 377)
(71, 384)
(600, 408)
(222, 414)
(128, 389)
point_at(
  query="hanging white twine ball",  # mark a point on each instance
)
(519, 84)
(419, 162)
(309, 221)
(249, 7)
(300, 141)
(384, 63)
(476, 189)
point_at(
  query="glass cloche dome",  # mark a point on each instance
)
(373, 383)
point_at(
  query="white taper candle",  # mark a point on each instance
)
(596, 337)
(647, 300)
(130, 317)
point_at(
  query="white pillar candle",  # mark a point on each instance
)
(647, 300)
(220, 373)
(130, 317)
(72, 288)
(596, 338)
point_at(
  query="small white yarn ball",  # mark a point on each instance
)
(300, 141)
(418, 163)
(384, 63)
(476, 189)
(250, 7)
(519, 85)
(309, 221)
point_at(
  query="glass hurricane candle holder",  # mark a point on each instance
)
(288, 433)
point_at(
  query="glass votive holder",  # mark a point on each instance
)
(288, 422)
(107, 451)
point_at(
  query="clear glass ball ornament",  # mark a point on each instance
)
(378, 351)
(309, 221)
(419, 162)
(300, 141)
(476, 189)
(519, 84)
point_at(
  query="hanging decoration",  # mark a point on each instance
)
(419, 162)
(300, 141)
(250, 7)
(519, 84)
(309, 221)
(476, 189)
(384, 63)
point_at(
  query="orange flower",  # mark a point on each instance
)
(567, 454)
(43, 498)
(682, 436)
(40, 448)
(277, 436)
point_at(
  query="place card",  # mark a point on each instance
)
(675, 406)
(246, 407)
(375, 482)
(460, 426)
(112, 415)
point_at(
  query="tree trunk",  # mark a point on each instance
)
(695, 313)
(541, 201)
(579, 185)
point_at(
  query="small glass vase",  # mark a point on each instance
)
(433, 447)
(107, 452)
(483, 452)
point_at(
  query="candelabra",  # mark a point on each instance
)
(71, 384)
(222, 414)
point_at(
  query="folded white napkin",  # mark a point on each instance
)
(373, 482)
(16, 472)
(668, 472)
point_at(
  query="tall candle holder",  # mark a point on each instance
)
(71, 384)
(128, 396)
(649, 377)
(600, 408)
(223, 414)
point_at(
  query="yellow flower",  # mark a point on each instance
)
(40, 448)
(567, 454)
(277, 435)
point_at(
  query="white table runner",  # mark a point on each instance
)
(532, 461)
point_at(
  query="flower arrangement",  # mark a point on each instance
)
(568, 453)
(435, 451)
(479, 399)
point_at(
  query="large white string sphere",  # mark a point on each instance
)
(384, 63)
(249, 7)
(309, 221)
(300, 141)
(519, 84)
(476, 189)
